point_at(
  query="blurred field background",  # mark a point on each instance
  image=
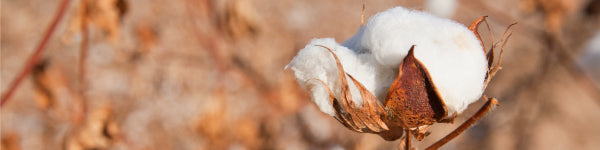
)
(208, 74)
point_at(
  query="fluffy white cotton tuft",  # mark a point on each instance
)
(315, 62)
(451, 53)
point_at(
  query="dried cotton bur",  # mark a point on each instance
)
(402, 72)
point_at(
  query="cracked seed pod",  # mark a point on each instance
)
(404, 69)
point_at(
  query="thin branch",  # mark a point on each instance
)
(83, 47)
(82, 84)
(486, 107)
(35, 56)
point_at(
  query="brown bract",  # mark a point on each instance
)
(360, 119)
(413, 100)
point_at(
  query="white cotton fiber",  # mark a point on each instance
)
(451, 53)
(315, 62)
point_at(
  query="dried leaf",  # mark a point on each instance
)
(42, 87)
(104, 14)
(54, 93)
(98, 132)
(239, 19)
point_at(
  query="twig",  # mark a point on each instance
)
(82, 59)
(486, 107)
(83, 48)
(35, 56)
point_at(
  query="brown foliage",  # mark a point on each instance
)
(208, 74)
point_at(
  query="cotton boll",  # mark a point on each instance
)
(315, 62)
(451, 53)
(448, 58)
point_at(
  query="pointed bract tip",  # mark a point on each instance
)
(411, 52)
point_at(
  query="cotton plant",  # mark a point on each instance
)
(403, 71)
